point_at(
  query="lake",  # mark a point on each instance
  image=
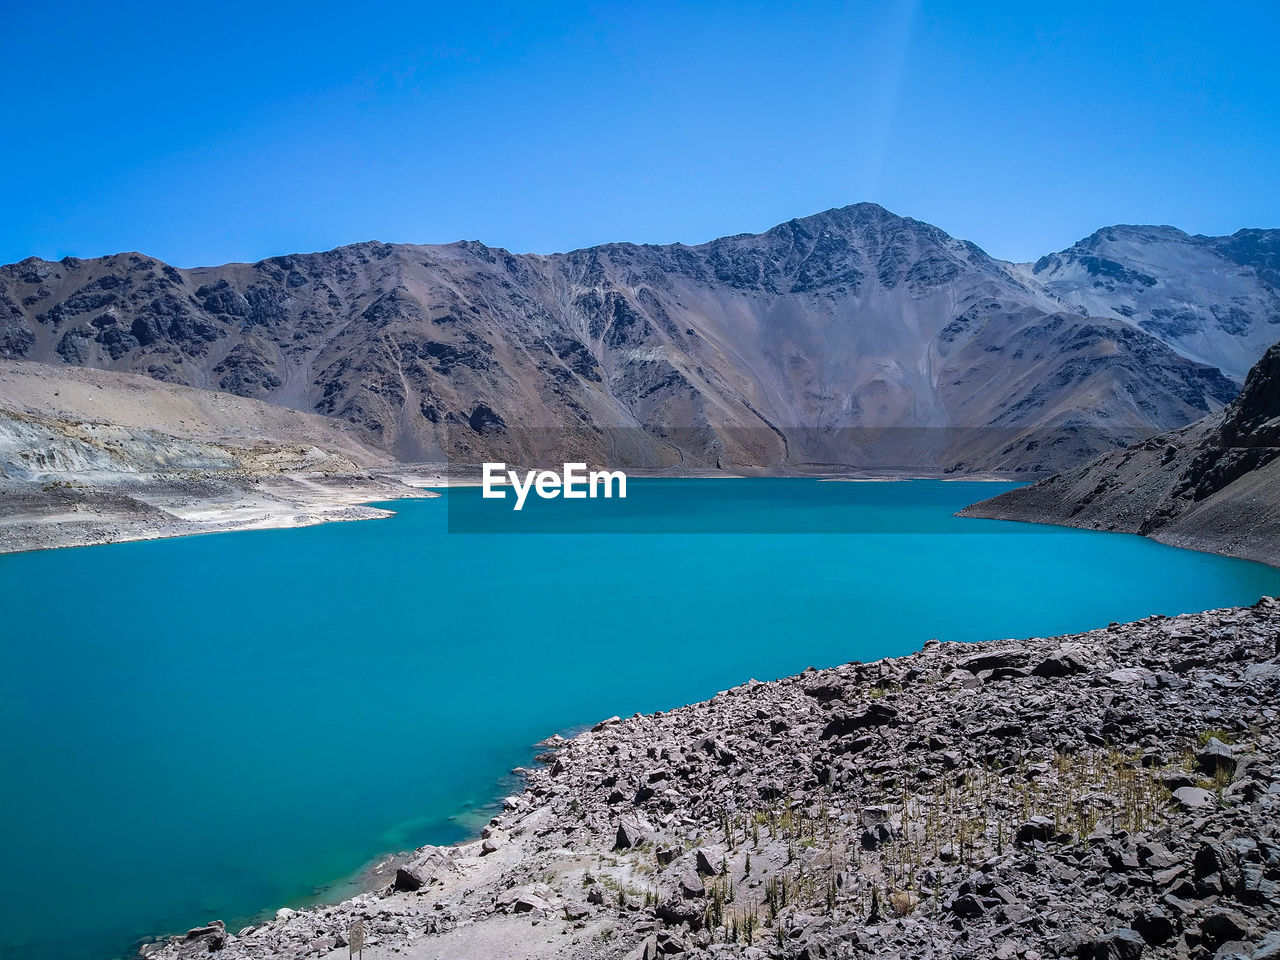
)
(216, 726)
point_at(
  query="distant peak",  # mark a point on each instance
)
(1145, 233)
(864, 207)
(859, 215)
(865, 210)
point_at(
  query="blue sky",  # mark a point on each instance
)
(244, 131)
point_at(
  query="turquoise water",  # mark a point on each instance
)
(213, 726)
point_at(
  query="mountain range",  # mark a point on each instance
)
(852, 339)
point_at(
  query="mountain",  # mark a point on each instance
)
(92, 456)
(1214, 485)
(852, 339)
(1212, 299)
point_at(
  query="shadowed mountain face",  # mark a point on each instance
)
(1213, 485)
(1213, 299)
(846, 340)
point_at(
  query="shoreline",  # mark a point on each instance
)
(664, 832)
(51, 513)
(1218, 542)
(64, 514)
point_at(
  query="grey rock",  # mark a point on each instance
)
(1155, 926)
(675, 910)
(1058, 665)
(1268, 948)
(692, 887)
(994, 659)
(704, 864)
(409, 879)
(631, 832)
(1222, 925)
(1038, 828)
(212, 936)
(528, 903)
(1215, 757)
(1194, 798)
(875, 715)
(1122, 944)
(967, 906)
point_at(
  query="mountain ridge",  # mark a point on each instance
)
(791, 349)
(1212, 299)
(1213, 485)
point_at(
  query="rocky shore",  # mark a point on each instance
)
(1213, 485)
(1113, 794)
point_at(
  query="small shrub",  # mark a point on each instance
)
(902, 902)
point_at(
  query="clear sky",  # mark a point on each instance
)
(247, 130)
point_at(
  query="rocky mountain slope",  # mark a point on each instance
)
(1213, 299)
(850, 339)
(89, 456)
(1214, 485)
(1105, 796)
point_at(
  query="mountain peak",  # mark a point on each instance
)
(1131, 233)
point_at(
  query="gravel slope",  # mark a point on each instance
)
(89, 456)
(1214, 485)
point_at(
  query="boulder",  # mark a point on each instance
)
(528, 903)
(1254, 887)
(409, 879)
(770, 789)
(826, 692)
(692, 887)
(994, 659)
(1154, 925)
(702, 861)
(1156, 856)
(631, 833)
(669, 944)
(967, 906)
(1122, 944)
(1193, 798)
(213, 936)
(875, 715)
(1216, 859)
(1037, 829)
(1215, 757)
(1061, 664)
(676, 910)
(1269, 947)
(1128, 675)
(713, 747)
(647, 949)
(874, 816)
(1223, 925)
